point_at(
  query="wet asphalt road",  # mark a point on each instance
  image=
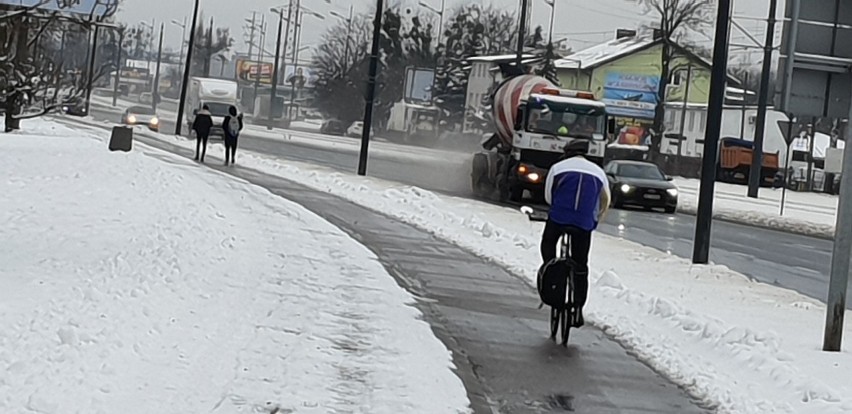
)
(792, 261)
(490, 321)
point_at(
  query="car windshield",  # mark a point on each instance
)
(141, 110)
(566, 120)
(218, 108)
(642, 171)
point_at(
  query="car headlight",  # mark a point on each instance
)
(155, 121)
(672, 192)
(131, 119)
(534, 177)
(626, 188)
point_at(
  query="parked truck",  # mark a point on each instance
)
(533, 120)
(735, 162)
(218, 94)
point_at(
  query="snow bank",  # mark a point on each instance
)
(139, 285)
(737, 345)
(810, 214)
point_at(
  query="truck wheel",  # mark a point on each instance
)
(479, 183)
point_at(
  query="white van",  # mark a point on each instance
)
(218, 94)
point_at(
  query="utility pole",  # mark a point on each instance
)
(185, 83)
(209, 49)
(259, 64)
(297, 33)
(681, 138)
(117, 79)
(839, 280)
(91, 75)
(754, 176)
(744, 108)
(155, 95)
(718, 79)
(371, 89)
(519, 60)
(251, 36)
(277, 65)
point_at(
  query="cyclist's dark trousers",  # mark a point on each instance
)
(579, 244)
(200, 146)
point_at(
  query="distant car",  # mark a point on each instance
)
(141, 115)
(641, 184)
(75, 107)
(356, 129)
(333, 127)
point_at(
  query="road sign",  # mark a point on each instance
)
(787, 131)
(94, 7)
(817, 81)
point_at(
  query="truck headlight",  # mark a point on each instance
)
(534, 177)
(672, 192)
(626, 188)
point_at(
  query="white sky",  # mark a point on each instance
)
(583, 22)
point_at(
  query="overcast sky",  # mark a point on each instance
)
(583, 22)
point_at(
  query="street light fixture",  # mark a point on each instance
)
(183, 26)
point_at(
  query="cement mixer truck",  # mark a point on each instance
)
(533, 120)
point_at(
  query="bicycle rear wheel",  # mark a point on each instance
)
(555, 316)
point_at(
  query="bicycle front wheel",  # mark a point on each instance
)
(567, 320)
(555, 316)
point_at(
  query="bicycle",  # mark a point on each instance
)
(566, 316)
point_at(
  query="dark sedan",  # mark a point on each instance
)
(641, 184)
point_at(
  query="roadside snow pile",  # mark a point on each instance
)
(737, 345)
(810, 214)
(136, 285)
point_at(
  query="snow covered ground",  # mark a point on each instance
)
(738, 345)
(804, 213)
(144, 283)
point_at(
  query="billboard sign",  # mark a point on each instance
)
(633, 96)
(248, 71)
(94, 7)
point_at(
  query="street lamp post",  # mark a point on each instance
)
(259, 63)
(185, 83)
(273, 96)
(552, 4)
(117, 78)
(300, 13)
(155, 95)
(348, 34)
(182, 37)
(440, 14)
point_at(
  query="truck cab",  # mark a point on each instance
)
(217, 94)
(545, 123)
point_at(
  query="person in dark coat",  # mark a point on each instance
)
(202, 125)
(232, 125)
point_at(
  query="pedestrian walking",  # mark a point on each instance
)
(232, 125)
(202, 125)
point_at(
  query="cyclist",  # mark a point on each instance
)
(578, 193)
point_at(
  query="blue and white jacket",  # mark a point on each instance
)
(578, 193)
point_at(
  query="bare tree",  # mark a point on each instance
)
(33, 79)
(674, 17)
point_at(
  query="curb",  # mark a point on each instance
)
(799, 227)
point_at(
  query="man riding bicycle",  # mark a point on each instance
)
(578, 193)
